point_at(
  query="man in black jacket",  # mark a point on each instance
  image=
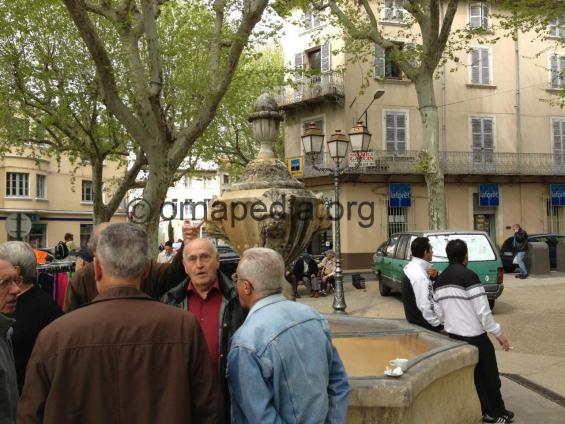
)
(306, 271)
(212, 297)
(520, 244)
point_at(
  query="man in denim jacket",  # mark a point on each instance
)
(282, 365)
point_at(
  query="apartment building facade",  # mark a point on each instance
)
(55, 195)
(502, 135)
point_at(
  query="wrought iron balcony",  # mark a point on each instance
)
(312, 90)
(458, 163)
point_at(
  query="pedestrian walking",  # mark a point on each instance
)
(520, 245)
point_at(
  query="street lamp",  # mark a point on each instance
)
(378, 94)
(338, 145)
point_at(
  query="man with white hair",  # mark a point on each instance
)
(35, 309)
(282, 365)
(124, 356)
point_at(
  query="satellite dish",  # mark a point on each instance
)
(18, 225)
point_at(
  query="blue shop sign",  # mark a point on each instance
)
(399, 196)
(557, 194)
(488, 195)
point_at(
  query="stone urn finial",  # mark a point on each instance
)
(266, 119)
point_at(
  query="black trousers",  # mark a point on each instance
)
(487, 379)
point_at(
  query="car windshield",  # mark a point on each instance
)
(479, 247)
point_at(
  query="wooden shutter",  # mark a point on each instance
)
(552, 27)
(298, 66)
(325, 58)
(558, 136)
(390, 131)
(484, 16)
(554, 69)
(475, 15)
(485, 68)
(488, 134)
(476, 133)
(379, 67)
(307, 20)
(315, 19)
(475, 66)
(400, 132)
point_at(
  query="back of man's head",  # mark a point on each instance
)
(263, 267)
(456, 251)
(122, 250)
(93, 241)
(19, 253)
(419, 246)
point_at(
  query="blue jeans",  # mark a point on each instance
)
(521, 259)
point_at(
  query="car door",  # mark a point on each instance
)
(378, 258)
(389, 259)
(399, 261)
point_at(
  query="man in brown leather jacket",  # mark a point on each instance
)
(123, 357)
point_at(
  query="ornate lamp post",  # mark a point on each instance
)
(338, 145)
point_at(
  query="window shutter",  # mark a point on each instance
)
(307, 20)
(554, 65)
(476, 133)
(398, 10)
(552, 27)
(488, 137)
(390, 131)
(298, 66)
(315, 19)
(485, 69)
(484, 16)
(475, 67)
(557, 136)
(388, 10)
(379, 68)
(401, 131)
(475, 15)
(325, 58)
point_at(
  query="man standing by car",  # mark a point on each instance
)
(467, 317)
(520, 244)
(420, 307)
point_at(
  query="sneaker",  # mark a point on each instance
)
(501, 419)
(523, 276)
(518, 276)
(509, 414)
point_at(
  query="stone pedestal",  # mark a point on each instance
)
(537, 259)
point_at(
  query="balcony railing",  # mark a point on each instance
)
(459, 163)
(314, 89)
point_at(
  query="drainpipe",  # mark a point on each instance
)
(518, 114)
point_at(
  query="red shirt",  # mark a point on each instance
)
(207, 312)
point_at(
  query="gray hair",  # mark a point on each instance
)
(263, 268)
(19, 253)
(122, 250)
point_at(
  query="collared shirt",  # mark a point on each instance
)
(283, 367)
(207, 312)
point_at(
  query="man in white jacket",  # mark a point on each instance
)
(467, 316)
(420, 307)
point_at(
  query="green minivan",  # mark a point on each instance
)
(392, 256)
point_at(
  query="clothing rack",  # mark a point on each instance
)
(51, 274)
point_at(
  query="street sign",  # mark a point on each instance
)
(399, 196)
(488, 195)
(18, 225)
(557, 192)
(365, 159)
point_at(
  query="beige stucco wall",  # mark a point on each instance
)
(62, 210)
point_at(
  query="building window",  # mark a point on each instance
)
(395, 131)
(311, 19)
(558, 129)
(387, 61)
(556, 27)
(41, 186)
(482, 139)
(17, 184)
(87, 191)
(481, 66)
(393, 11)
(226, 179)
(557, 67)
(187, 181)
(479, 15)
(85, 232)
(38, 232)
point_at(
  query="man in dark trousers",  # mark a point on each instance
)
(124, 357)
(305, 271)
(420, 307)
(467, 317)
(520, 244)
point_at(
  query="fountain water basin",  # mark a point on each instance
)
(437, 386)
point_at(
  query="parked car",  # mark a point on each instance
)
(507, 251)
(392, 255)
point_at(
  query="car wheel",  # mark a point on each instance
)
(384, 290)
(491, 304)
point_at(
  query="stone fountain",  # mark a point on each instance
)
(269, 208)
